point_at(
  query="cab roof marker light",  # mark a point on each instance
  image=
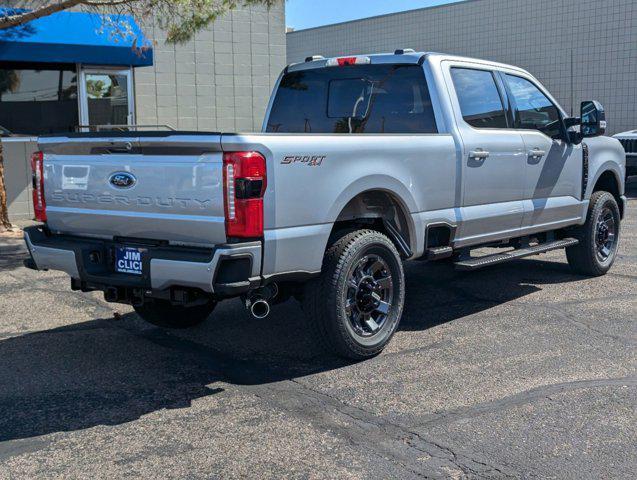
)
(346, 61)
(402, 51)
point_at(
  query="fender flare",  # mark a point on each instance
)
(384, 183)
(608, 166)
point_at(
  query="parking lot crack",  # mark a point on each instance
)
(444, 455)
(357, 432)
(546, 392)
(588, 327)
(388, 441)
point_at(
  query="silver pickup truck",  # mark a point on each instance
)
(364, 162)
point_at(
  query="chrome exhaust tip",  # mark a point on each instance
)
(257, 301)
(260, 309)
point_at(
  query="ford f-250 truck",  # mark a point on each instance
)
(363, 162)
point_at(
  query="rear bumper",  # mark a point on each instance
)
(223, 270)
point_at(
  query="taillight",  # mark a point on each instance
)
(37, 176)
(244, 183)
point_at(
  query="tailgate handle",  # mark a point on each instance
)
(125, 147)
(118, 150)
(114, 148)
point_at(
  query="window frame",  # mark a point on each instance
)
(83, 105)
(502, 93)
(516, 110)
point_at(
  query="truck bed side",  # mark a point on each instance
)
(312, 177)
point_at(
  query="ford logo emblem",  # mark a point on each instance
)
(122, 180)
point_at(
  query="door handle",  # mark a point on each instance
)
(537, 153)
(479, 154)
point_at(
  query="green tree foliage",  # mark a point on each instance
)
(181, 19)
(96, 89)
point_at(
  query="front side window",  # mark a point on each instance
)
(353, 99)
(479, 98)
(534, 110)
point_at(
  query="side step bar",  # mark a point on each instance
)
(480, 262)
(438, 253)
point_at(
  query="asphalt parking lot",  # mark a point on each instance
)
(521, 370)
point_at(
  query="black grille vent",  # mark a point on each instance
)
(629, 145)
(584, 169)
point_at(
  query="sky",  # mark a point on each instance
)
(301, 14)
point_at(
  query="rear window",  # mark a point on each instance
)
(353, 99)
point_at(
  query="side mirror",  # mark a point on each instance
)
(593, 119)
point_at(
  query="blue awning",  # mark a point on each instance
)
(76, 37)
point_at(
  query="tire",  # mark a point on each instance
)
(163, 314)
(355, 306)
(597, 248)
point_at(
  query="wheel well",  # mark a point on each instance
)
(378, 210)
(607, 182)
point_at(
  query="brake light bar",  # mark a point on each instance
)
(244, 184)
(37, 177)
(346, 61)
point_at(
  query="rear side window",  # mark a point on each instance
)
(479, 98)
(534, 110)
(353, 99)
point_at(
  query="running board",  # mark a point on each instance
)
(480, 262)
(438, 253)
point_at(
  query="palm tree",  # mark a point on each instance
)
(9, 81)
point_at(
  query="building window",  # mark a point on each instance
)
(38, 99)
(108, 98)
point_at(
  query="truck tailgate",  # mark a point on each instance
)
(163, 187)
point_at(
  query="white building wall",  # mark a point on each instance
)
(219, 81)
(580, 49)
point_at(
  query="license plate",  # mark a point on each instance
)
(128, 260)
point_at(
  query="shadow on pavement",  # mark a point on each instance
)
(437, 294)
(12, 253)
(112, 371)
